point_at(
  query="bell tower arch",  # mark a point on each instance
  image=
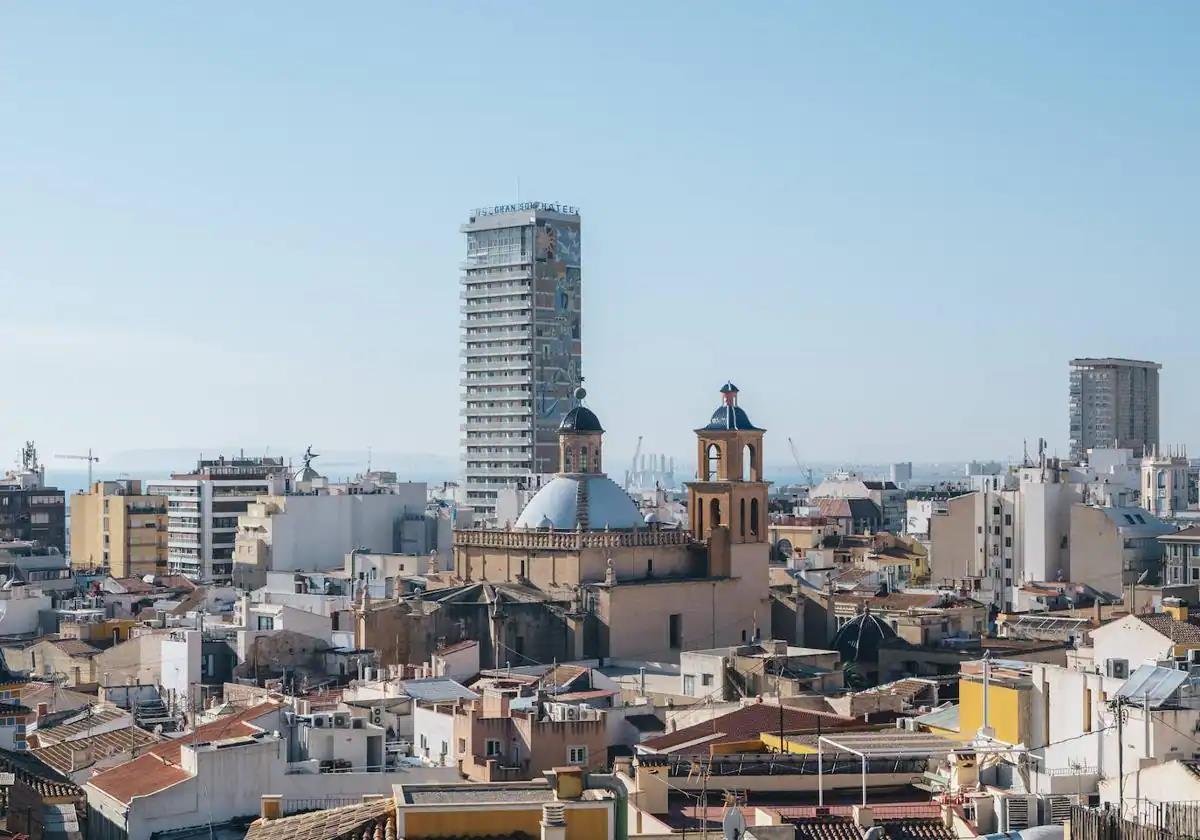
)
(730, 491)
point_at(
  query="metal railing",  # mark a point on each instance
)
(317, 803)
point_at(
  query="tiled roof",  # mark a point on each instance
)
(75, 647)
(457, 646)
(32, 772)
(367, 821)
(830, 827)
(917, 828)
(1184, 632)
(839, 827)
(135, 586)
(747, 723)
(79, 725)
(160, 767)
(69, 756)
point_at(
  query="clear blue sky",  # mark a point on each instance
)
(891, 224)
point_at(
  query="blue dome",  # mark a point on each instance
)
(731, 417)
(607, 505)
(580, 419)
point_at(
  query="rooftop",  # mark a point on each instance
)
(1184, 632)
(350, 822)
(160, 766)
(746, 724)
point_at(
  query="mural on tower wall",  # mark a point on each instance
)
(557, 346)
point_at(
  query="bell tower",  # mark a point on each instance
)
(579, 440)
(730, 492)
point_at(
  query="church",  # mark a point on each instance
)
(608, 582)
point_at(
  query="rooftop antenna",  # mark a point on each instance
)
(368, 458)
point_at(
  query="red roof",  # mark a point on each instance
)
(748, 722)
(160, 766)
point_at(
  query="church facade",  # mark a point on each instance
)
(620, 586)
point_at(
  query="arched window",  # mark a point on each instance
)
(754, 517)
(749, 470)
(568, 461)
(699, 519)
(742, 505)
(583, 459)
(712, 461)
(714, 513)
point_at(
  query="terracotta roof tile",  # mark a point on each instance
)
(160, 767)
(350, 822)
(747, 723)
(1187, 632)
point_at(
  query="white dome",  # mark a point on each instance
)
(607, 505)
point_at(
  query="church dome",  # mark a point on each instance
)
(580, 419)
(859, 638)
(729, 416)
(604, 504)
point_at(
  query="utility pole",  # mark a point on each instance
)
(1120, 706)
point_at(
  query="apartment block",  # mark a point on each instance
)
(115, 525)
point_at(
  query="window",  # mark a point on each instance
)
(462, 745)
(266, 622)
(1195, 574)
(706, 679)
(576, 755)
(675, 631)
(995, 510)
(491, 748)
(1008, 519)
(1008, 542)
(689, 684)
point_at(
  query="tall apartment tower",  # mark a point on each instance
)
(521, 343)
(1114, 403)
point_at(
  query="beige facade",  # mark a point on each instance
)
(115, 525)
(952, 536)
(645, 590)
(497, 744)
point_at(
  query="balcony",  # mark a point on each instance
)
(507, 334)
(475, 306)
(497, 321)
(496, 364)
(501, 426)
(498, 472)
(513, 411)
(468, 382)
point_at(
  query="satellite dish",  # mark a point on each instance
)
(734, 825)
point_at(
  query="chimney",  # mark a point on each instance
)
(864, 817)
(271, 807)
(554, 821)
(43, 709)
(1099, 612)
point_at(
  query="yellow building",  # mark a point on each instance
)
(1009, 703)
(115, 526)
(565, 811)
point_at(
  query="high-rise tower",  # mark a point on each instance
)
(521, 344)
(1114, 403)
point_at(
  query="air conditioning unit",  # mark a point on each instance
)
(1017, 811)
(377, 715)
(1056, 808)
(319, 721)
(341, 720)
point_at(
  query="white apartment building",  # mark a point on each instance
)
(521, 345)
(203, 509)
(1165, 484)
(1013, 529)
(312, 533)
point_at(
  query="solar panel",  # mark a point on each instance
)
(1152, 684)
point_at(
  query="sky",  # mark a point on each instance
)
(891, 224)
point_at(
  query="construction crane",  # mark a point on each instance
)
(90, 458)
(637, 453)
(796, 458)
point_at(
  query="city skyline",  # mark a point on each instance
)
(1034, 176)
